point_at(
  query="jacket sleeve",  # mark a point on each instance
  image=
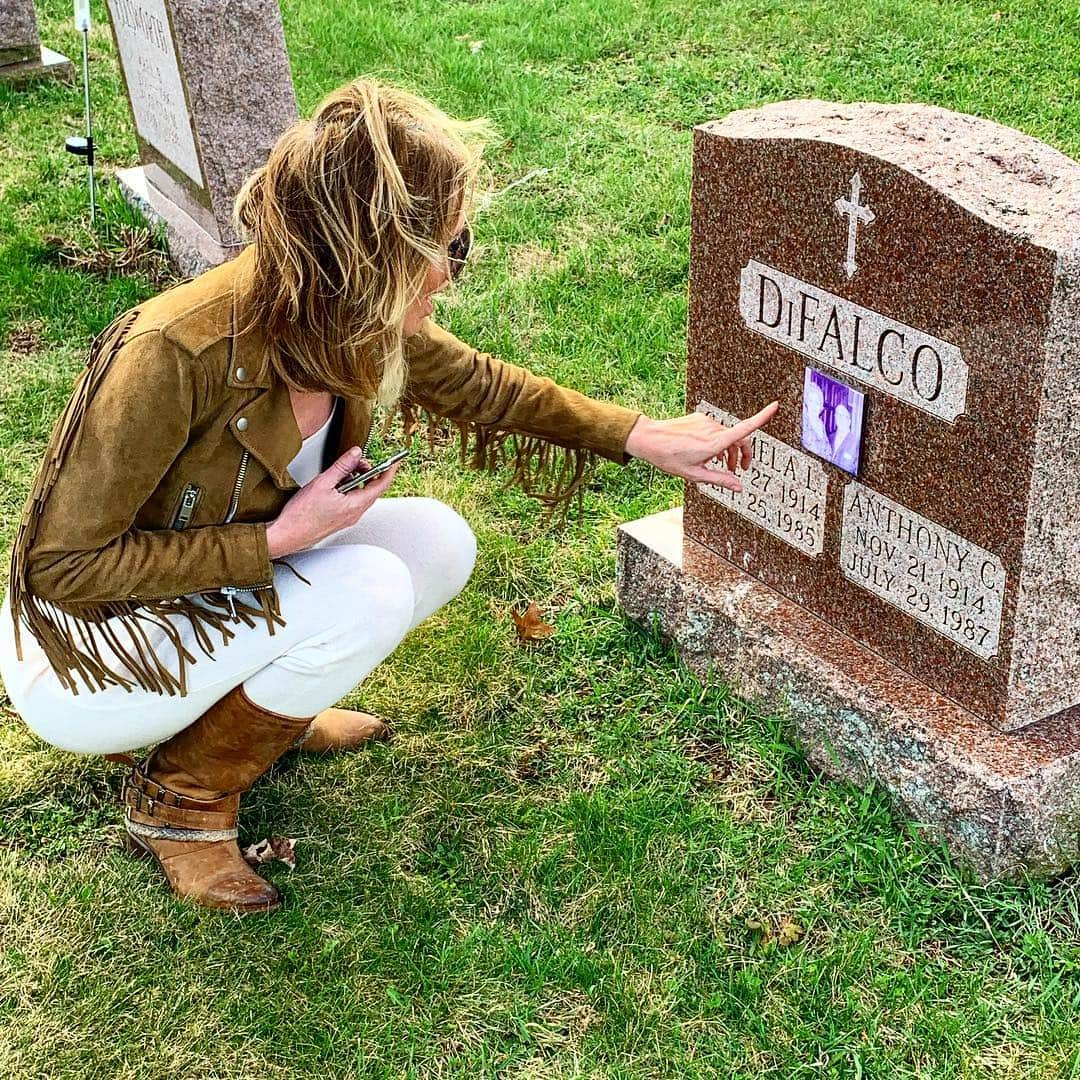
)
(451, 379)
(107, 455)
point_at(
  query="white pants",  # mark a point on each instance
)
(370, 585)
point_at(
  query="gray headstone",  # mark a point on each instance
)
(18, 31)
(22, 57)
(210, 91)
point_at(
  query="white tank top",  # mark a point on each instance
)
(308, 462)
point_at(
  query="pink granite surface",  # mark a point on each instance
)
(974, 241)
(238, 90)
(1007, 804)
(192, 249)
(236, 70)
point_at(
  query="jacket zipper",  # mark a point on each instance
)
(371, 428)
(241, 473)
(225, 590)
(188, 500)
(231, 591)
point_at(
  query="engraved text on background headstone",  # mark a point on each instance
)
(148, 56)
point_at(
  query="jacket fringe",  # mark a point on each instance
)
(62, 629)
(553, 474)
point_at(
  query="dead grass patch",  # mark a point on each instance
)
(26, 338)
(125, 251)
(528, 260)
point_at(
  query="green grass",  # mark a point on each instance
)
(550, 872)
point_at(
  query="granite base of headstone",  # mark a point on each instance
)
(901, 571)
(1005, 804)
(23, 58)
(210, 91)
(192, 248)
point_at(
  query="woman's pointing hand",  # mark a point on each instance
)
(683, 445)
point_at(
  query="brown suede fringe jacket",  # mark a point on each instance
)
(172, 457)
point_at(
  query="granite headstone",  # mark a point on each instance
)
(928, 260)
(210, 91)
(22, 56)
(905, 280)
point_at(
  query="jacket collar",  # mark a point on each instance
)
(270, 432)
(249, 352)
(265, 425)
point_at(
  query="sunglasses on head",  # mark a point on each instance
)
(458, 250)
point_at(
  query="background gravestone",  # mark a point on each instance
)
(210, 91)
(22, 56)
(927, 261)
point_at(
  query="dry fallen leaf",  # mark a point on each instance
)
(530, 627)
(276, 847)
(762, 927)
(782, 930)
(789, 933)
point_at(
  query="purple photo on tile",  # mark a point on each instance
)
(832, 420)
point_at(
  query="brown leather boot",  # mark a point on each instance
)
(342, 729)
(181, 802)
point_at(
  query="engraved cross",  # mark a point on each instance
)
(855, 213)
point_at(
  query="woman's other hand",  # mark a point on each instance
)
(681, 446)
(318, 509)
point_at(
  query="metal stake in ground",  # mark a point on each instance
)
(84, 146)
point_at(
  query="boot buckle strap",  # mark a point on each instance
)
(142, 788)
(183, 819)
(163, 795)
(137, 799)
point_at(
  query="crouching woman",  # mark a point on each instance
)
(188, 501)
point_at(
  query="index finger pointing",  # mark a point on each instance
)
(744, 428)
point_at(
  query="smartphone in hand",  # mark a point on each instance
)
(355, 480)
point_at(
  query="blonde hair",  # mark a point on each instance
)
(346, 216)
